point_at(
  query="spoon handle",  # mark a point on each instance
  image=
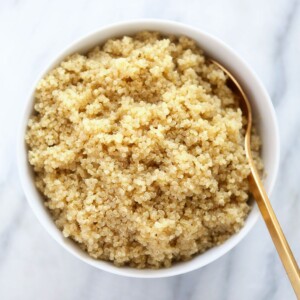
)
(279, 240)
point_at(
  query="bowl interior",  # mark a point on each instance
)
(263, 114)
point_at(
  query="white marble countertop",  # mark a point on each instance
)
(32, 265)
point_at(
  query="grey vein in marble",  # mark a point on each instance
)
(280, 81)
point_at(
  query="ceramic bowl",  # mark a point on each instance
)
(263, 113)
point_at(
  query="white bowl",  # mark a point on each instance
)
(263, 112)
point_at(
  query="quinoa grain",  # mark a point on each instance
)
(137, 147)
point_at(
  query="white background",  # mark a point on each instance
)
(265, 33)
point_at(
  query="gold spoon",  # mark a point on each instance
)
(262, 199)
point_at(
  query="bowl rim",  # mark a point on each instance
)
(34, 200)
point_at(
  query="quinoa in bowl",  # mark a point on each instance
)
(138, 149)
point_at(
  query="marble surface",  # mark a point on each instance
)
(33, 266)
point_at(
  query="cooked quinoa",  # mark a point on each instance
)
(137, 147)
